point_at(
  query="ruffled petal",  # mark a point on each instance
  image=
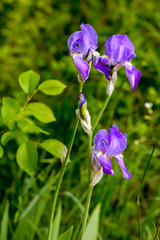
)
(125, 172)
(81, 65)
(102, 140)
(75, 42)
(133, 74)
(101, 64)
(118, 141)
(119, 48)
(106, 164)
(89, 38)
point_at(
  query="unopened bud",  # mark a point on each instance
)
(82, 105)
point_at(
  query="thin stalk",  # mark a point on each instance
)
(29, 97)
(90, 189)
(60, 180)
(140, 189)
(100, 113)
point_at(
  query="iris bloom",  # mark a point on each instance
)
(105, 147)
(119, 52)
(82, 44)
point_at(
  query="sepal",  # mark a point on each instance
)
(85, 123)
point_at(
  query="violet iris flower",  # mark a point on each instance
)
(107, 146)
(119, 52)
(82, 44)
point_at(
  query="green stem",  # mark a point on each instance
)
(60, 180)
(29, 97)
(100, 113)
(90, 189)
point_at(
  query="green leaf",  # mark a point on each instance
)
(56, 224)
(4, 223)
(6, 137)
(41, 111)
(34, 129)
(27, 157)
(53, 146)
(52, 87)
(1, 151)
(29, 81)
(10, 107)
(92, 226)
(67, 235)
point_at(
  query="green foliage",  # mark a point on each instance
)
(27, 157)
(56, 224)
(1, 151)
(40, 111)
(66, 235)
(4, 223)
(53, 146)
(34, 36)
(92, 226)
(52, 87)
(10, 107)
(29, 81)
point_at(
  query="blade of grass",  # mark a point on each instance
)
(140, 189)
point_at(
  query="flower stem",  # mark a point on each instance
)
(29, 97)
(90, 189)
(89, 162)
(60, 180)
(100, 113)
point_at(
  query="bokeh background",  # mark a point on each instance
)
(34, 35)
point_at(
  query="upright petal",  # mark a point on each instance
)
(81, 65)
(106, 164)
(118, 141)
(75, 42)
(120, 161)
(133, 74)
(119, 48)
(89, 38)
(102, 140)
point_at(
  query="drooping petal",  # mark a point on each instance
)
(101, 64)
(89, 38)
(81, 65)
(102, 140)
(133, 74)
(120, 161)
(119, 48)
(118, 141)
(106, 164)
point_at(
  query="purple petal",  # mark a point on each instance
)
(81, 99)
(89, 38)
(106, 164)
(75, 42)
(133, 74)
(118, 141)
(81, 65)
(120, 161)
(100, 64)
(119, 48)
(102, 140)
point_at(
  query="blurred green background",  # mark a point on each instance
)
(34, 35)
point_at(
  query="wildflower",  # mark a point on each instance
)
(119, 52)
(82, 44)
(105, 147)
(83, 114)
